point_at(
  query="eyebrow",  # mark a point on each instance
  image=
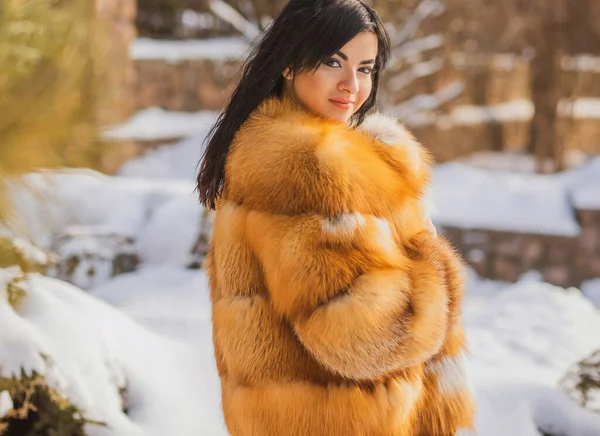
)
(344, 57)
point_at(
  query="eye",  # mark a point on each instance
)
(367, 70)
(332, 62)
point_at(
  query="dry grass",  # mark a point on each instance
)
(47, 85)
(39, 410)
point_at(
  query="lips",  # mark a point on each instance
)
(342, 103)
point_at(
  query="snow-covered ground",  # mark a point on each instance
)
(159, 124)
(177, 51)
(149, 331)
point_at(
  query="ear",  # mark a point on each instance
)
(288, 74)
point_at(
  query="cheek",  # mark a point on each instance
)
(365, 90)
(308, 86)
(324, 79)
(311, 88)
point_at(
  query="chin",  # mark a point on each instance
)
(340, 118)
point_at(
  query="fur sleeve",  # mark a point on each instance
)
(363, 306)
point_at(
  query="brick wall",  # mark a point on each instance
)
(206, 84)
(488, 79)
(116, 31)
(562, 260)
(188, 85)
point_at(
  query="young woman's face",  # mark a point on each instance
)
(342, 83)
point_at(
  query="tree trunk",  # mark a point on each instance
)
(549, 43)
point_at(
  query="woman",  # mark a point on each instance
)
(336, 311)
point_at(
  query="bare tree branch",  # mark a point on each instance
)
(425, 9)
(226, 13)
(401, 81)
(428, 102)
(417, 46)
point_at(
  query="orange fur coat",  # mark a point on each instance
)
(335, 312)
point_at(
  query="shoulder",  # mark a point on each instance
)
(403, 146)
(274, 162)
(287, 161)
(387, 130)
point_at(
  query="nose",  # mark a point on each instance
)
(349, 83)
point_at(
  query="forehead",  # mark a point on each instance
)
(363, 46)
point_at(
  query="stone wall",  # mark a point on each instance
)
(562, 260)
(187, 85)
(491, 84)
(489, 81)
(116, 31)
(206, 84)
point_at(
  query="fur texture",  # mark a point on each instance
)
(335, 312)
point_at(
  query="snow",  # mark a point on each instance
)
(170, 233)
(591, 289)
(406, 111)
(228, 14)
(174, 161)
(498, 61)
(6, 402)
(193, 20)
(30, 252)
(578, 188)
(92, 349)
(418, 111)
(505, 61)
(174, 51)
(519, 409)
(412, 23)
(516, 161)
(471, 197)
(584, 185)
(580, 108)
(516, 110)
(533, 317)
(582, 62)
(119, 205)
(416, 71)
(522, 338)
(149, 331)
(414, 47)
(521, 111)
(159, 124)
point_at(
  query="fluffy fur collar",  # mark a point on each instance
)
(286, 160)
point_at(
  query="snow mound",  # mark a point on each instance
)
(174, 161)
(584, 185)
(591, 289)
(153, 213)
(530, 330)
(522, 339)
(177, 51)
(470, 197)
(154, 124)
(88, 350)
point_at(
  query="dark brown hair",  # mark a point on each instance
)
(305, 33)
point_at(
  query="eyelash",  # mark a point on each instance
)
(329, 62)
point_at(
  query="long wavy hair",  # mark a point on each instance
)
(305, 33)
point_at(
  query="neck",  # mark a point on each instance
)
(291, 98)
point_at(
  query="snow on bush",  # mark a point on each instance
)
(88, 256)
(161, 218)
(90, 353)
(582, 382)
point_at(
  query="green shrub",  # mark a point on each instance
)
(39, 410)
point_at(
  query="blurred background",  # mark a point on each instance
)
(104, 106)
